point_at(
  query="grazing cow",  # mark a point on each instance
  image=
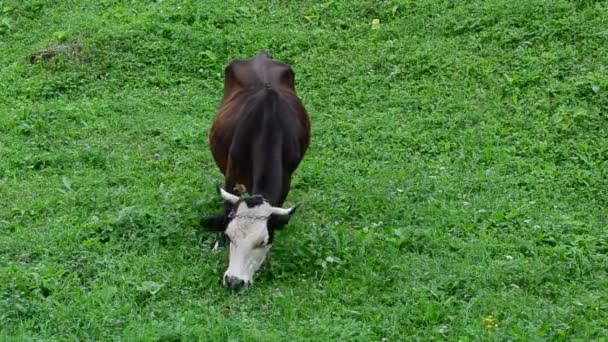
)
(258, 139)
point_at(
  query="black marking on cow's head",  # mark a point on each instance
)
(253, 201)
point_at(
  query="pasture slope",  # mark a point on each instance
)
(456, 187)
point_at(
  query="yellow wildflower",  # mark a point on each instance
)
(376, 24)
(489, 322)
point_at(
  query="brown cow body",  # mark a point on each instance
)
(261, 132)
(260, 135)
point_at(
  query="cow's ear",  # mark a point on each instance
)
(215, 223)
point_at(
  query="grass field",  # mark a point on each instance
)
(456, 187)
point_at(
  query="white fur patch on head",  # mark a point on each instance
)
(249, 236)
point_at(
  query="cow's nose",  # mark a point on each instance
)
(264, 53)
(233, 282)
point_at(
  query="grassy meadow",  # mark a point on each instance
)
(456, 187)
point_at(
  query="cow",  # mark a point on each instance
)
(258, 139)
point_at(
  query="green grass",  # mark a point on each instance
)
(456, 186)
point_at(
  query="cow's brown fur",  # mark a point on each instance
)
(261, 131)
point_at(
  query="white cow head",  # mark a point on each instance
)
(246, 226)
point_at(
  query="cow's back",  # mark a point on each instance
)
(261, 122)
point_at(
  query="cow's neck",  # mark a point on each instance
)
(268, 176)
